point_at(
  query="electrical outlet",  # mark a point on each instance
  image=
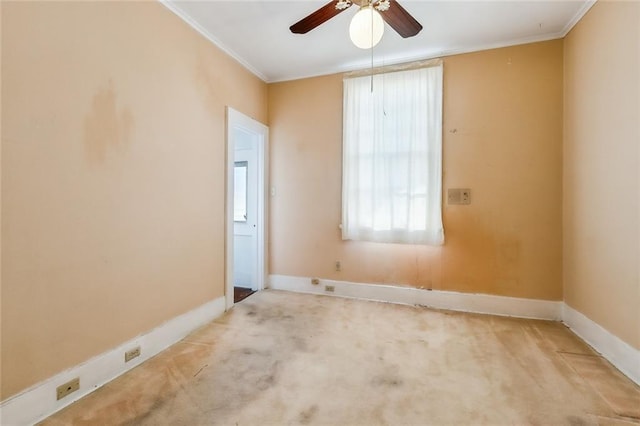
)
(131, 354)
(338, 266)
(330, 288)
(67, 388)
(315, 281)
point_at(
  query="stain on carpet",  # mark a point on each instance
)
(285, 358)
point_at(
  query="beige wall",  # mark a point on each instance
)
(601, 164)
(112, 177)
(502, 139)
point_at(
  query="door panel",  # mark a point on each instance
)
(246, 134)
(245, 248)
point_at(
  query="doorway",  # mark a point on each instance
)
(247, 148)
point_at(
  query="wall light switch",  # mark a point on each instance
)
(466, 196)
(458, 196)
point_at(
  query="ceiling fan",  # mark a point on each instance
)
(366, 27)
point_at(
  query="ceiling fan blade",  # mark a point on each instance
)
(401, 20)
(318, 17)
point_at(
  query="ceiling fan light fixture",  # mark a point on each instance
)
(366, 28)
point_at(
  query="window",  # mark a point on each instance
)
(392, 157)
(240, 191)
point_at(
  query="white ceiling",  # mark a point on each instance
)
(257, 34)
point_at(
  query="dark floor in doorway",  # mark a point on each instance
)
(240, 293)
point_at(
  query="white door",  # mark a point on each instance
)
(245, 210)
(246, 238)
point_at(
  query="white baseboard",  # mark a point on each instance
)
(39, 401)
(622, 355)
(466, 302)
(619, 353)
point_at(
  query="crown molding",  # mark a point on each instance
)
(385, 61)
(173, 7)
(586, 6)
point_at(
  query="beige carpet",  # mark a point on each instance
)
(280, 358)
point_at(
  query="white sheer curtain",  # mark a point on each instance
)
(392, 157)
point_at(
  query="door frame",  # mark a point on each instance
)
(237, 120)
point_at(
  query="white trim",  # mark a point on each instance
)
(228, 233)
(586, 6)
(466, 302)
(396, 60)
(39, 401)
(237, 120)
(263, 209)
(172, 6)
(622, 355)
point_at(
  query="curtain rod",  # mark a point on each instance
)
(394, 68)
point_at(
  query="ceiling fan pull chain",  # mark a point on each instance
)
(372, 53)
